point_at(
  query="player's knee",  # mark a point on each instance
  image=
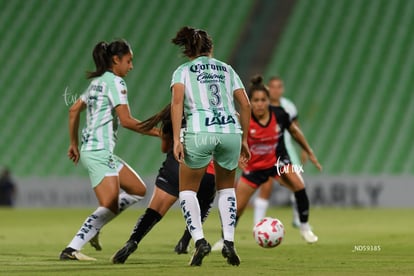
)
(141, 190)
(138, 189)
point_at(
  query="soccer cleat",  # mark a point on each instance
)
(122, 255)
(94, 242)
(202, 249)
(70, 254)
(229, 252)
(181, 247)
(309, 236)
(218, 245)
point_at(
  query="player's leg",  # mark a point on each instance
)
(227, 205)
(244, 190)
(226, 157)
(295, 213)
(107, 194)
(191, 171)
(189, 185)
(295, 183)
(160, 203)
(134, 190)
(261, 203)
(133, 186)
(205, 196)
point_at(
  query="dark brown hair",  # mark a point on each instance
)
(102, 55)
(256, 84)
(163, 117)
(194, 42)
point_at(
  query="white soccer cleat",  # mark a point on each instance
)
(82, 257)
(309, 236)
(218, 246)
(70, 254)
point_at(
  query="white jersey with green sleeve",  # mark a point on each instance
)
(208, 99)
(291, 109)
(102, 96)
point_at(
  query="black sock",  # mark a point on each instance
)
(185, 239)
(302, 203)
(205, 206)
(145, 224)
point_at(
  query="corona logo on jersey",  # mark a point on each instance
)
(197, 68)
(284, 167)
(204, 77)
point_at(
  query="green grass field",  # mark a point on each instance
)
(31, 240)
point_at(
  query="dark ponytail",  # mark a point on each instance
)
(256, 84)
(194, 42)
(163, 117)
(102, 55)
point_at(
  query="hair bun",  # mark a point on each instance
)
(103, 45)
(256, 80)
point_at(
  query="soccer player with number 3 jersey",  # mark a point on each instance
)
(204, 89)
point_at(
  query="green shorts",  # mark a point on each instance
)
(101, 163)
(200, 147)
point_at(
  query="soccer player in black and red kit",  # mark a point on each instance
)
(166, 191)
(267, 125)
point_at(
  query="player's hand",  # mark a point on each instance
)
(315, 161)
(178, 150)
(242, 164)
(244, 153)
(73, 153)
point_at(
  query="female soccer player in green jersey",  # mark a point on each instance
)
(106, 105)
(204, 90)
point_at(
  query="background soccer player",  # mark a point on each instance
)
(261, 203)
(266, 135)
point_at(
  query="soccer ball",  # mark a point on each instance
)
(269, 232)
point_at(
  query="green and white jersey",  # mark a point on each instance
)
(208, 100)
(291, 109)
(102, 96)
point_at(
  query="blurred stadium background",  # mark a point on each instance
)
(347, 64)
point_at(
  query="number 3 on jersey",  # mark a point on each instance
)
(215, 93)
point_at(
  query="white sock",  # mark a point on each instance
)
(295, 213)
(260, 208)
(126, 200)
(191, 212)
(228, 208)
(91, 226)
